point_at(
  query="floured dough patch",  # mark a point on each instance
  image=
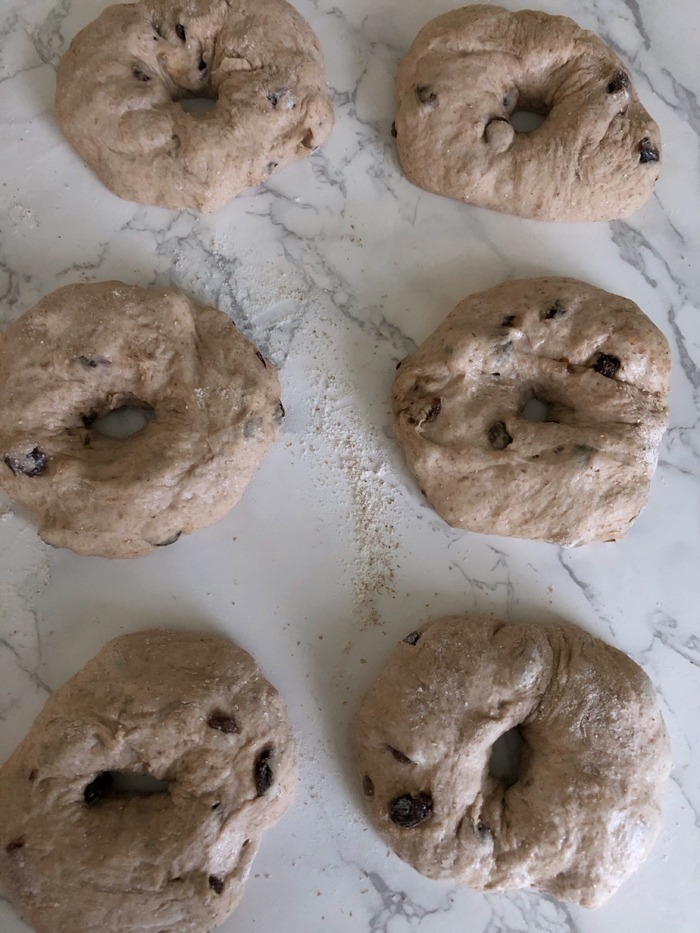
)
(84, 847)
(583, 810)
(86, 350)
(120, 84)
(590, 365)
(595, 157)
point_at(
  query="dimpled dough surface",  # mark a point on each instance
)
(179, 706)
(85, 350)
(584, 811)
(120, 83)
(601, 368)
(595, 157)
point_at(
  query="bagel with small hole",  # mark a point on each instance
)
(137, 801)
(86, 350)
(577, 470)
(597, 154)
(581, 812)
(120, 86)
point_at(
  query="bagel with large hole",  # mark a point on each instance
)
(86, 350)
(596, 156)
(121, 83)
(581, 811)
(137, 801)
(536, 410)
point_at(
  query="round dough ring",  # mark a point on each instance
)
(120, 83)
(80, 854)
(85, 350)
(584, 811)
(595, 157)
(596, 362)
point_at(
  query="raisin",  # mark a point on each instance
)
(409, 811)
(263, 772)
(619, 82)
(367, 786)
(216, 884)
(98, 788)
(92, 362)
(307, 140)
(271, 166)
(394, 131)
(556, 311)
(180, 32)
(168, 541)
(14, 845)
(140, 75)
(647, 151)
(273, 98)
(33, 774)
(261, 358)
(482, 828)
(425, 94)
(607, 365)
(433, 411)
(498, 436)
(281, 410)
(508, 320)
(414, 637)
(33, 464)
(225, 724)
(399, 756)
(202, 66)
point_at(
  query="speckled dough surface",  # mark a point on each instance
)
(584, 810)
(81, 852)
(120, 84)
(462, 402)
(85, 350)
(595, 157)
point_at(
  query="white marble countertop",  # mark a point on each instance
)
(336, 269)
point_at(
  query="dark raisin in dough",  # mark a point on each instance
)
(409, 811)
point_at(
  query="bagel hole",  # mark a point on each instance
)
(198, 106)
(124, 421)
(506, 757)
(535, 410)
(123, 784)
(525, 121)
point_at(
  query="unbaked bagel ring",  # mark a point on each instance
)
(576, 472)
(583, 811)
(88, 845)
(595, 157)
(86, 350)
(120, 84)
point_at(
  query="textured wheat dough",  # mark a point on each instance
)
(120, 83)
(596, 361)
(595, 157)
(584, 810)
(85, 350)
(78, 855)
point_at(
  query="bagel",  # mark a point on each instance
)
(597, 366)
(82, 851)
(85, 350)
(596, 156)
(583, 811)
(120, 84)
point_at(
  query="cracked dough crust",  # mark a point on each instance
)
(188, 708)
(597, 363)
(85, 350)
(596, 156)
(584, 811)
(120, 84)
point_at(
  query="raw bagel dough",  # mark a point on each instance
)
(600, 367)
(85, 350)
(595, 157)
(584, 811)
(120, 83)
(80, 855)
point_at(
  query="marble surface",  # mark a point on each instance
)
(337, 268)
